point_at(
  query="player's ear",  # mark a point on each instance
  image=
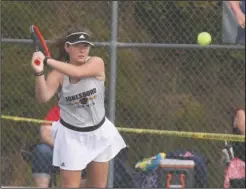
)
(66, 45)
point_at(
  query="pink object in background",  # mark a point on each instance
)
(235, 170)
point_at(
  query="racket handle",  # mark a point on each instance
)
(37, 62)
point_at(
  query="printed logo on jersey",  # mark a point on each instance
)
(84, 99)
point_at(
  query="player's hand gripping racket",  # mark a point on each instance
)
(38, 42)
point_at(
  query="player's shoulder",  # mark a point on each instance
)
(96, 58)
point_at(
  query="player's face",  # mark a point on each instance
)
(78, 52)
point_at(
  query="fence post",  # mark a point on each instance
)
(112, 82)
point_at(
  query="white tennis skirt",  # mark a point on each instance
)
(73, 150)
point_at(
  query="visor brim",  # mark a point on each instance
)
(81, 41)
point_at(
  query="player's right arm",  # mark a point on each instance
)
(46, 88)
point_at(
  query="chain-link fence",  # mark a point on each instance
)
(172, 86)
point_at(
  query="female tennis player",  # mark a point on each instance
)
(84, 136)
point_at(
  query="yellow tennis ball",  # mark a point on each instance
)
(204, 38)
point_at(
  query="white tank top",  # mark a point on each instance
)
(82, 104)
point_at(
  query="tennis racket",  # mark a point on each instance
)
(38, 42)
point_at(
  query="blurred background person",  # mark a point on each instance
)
(42, 153)
(238, 8)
